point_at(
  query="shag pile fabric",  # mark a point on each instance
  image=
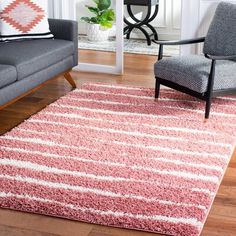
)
(111, 155)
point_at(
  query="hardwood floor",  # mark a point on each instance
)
(138, 72)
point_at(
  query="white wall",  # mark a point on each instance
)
(196, 18)
(168, 21)
(207, 10)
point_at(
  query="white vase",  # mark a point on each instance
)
(96, 33)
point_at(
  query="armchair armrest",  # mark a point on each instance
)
(67, 30)
(232, 57)
(178, 42)
(181, 42)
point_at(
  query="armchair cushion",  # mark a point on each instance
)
(193, 72)
(221, 36)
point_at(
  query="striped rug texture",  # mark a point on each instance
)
(111, 155)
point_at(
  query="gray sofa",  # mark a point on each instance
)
(24, 65)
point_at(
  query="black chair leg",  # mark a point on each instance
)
(209, 89)
(157, 89)
(208, 108)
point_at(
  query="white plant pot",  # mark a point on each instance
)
(96, 33)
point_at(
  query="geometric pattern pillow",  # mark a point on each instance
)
(24, 19)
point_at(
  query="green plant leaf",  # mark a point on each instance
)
(106, 24)
(93, 10)
(104, 16)
(94, 20)
(85, 19)
(109, 15)
(103, 4)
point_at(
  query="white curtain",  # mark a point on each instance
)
(62, 9)
(50, 9)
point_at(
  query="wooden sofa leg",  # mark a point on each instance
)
(70, 79)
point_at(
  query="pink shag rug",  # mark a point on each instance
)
(111, 155)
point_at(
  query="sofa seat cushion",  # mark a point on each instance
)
(8, 75)
(32, 56)
(193, 72)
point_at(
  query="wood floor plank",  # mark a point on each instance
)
(117, 232)
(14, 231)
(138, 72)
(44, 224)
(217, 225)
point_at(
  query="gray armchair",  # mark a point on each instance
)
(206, 76)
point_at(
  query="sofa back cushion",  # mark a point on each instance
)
(23, 19)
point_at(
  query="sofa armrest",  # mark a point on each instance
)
(67, 30)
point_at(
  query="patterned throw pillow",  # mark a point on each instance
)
(23, 19)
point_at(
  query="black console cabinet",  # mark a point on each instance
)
(140, 24)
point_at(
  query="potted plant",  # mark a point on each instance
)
(98, 25)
